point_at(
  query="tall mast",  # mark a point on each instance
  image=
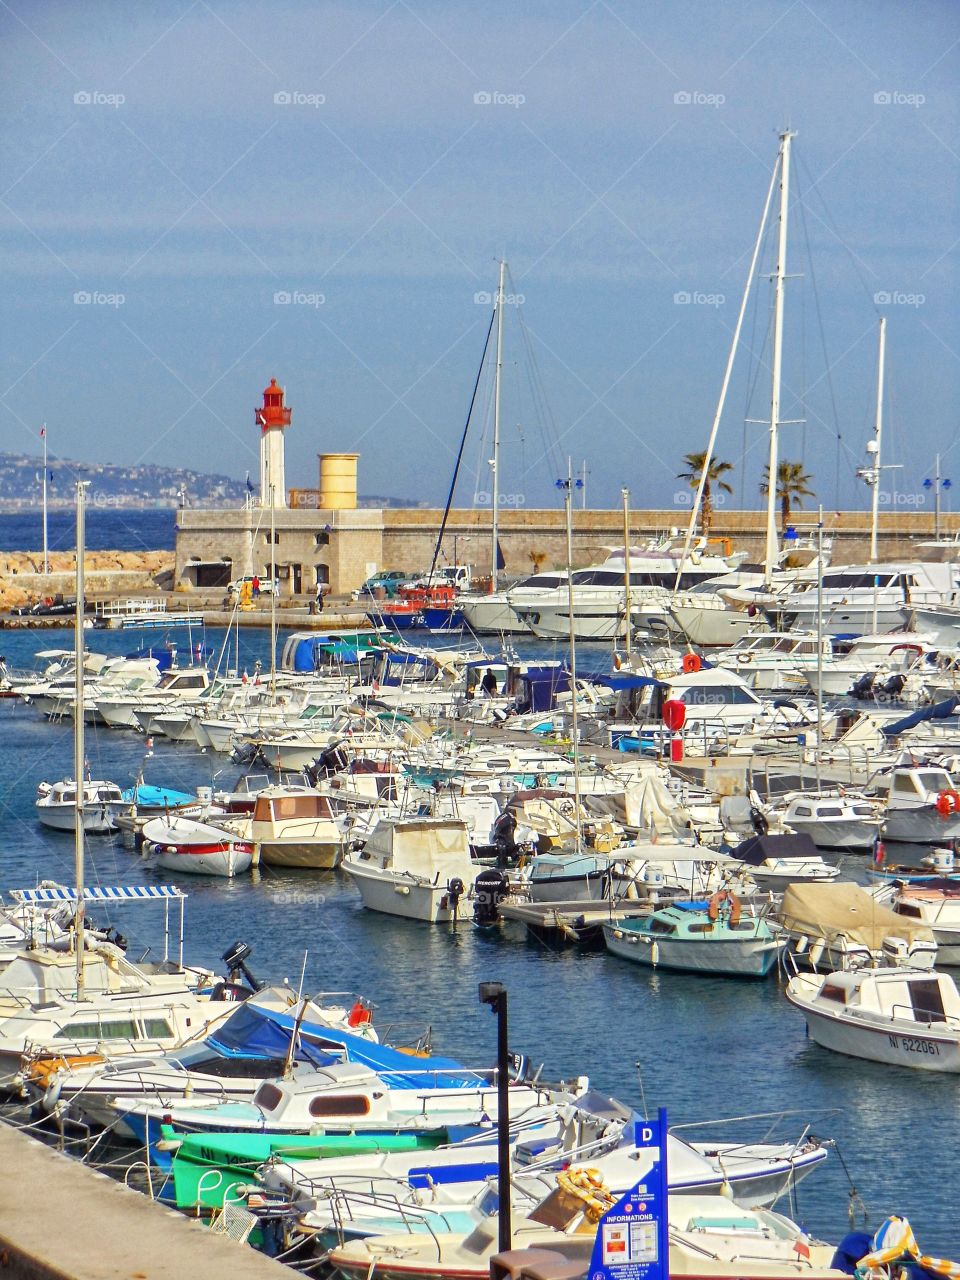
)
(567, 486)
(876, 441)
(495, 461)
(627, 602)
(770, 556)
(78, 748)
(46, 557)
(273, 588)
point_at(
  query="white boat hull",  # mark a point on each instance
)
(919, 1048)
(229, 861)
(98, 819)
(747, 957)
(920, 825)
(399, 895)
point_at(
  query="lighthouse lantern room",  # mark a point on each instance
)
(272, 419)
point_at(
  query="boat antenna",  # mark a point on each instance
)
(643, 1097)
(294, 1037)
(463, 441)
(303, 974)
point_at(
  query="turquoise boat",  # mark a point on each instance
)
(709, 937)
(208, 1167)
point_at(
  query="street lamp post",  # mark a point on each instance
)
(495, 995)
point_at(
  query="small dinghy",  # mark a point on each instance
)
(183, 844)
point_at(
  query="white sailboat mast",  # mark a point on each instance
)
(574, 725)
(772, 546)
(877, 439)
(78, 745)
(495, 461)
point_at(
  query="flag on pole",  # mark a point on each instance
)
(43, 432)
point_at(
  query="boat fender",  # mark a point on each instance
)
(359, 1015)
(51, 1094)
(816, 952)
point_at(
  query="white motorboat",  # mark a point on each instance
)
(843, 926)
(905, 1017)
(186, 844)
(708, 1238)
(599, 591)
(832, 819)
(56, 805)
(492, 613)
(419, 868)
(775, 660)
(775, 861)
(923, 804)
(859, 598)
(292, 827)
(934, 903)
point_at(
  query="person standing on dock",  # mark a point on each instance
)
(256, 587)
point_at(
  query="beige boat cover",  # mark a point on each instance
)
(830, 910)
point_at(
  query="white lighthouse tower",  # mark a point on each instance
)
(272, 419)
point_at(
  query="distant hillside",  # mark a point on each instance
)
(123, 487)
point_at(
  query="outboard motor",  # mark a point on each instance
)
(489, 890)
(504, 838)
(893, 687)
(235, 958)
(863, 687)
(333, 760)
(455, 891)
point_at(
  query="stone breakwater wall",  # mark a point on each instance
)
(108, 574)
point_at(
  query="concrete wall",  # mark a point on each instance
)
(404, 538)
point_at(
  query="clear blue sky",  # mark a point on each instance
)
(148, 151)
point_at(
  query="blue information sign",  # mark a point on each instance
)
(633, 1240)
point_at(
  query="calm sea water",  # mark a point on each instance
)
(108, 529)
(705, 1048)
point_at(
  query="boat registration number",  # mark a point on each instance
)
(911, 1044)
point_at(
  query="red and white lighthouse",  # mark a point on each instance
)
(272, 420)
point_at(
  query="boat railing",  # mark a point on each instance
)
(342, 1204)
(775, 1116)
(907, 1013)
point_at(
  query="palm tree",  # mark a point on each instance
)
(793, 485)
(714, 480)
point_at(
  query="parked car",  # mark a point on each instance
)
(388, 581)
(268, 586)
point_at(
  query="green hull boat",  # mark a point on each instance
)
(207, 1167)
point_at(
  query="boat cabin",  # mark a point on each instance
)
(916, 996)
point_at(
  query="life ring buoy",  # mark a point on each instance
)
(691, 663)
(948, 802)
(716, 902)
(746, 657)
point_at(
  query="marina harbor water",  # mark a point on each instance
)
(707, 1047)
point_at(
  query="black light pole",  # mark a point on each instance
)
(495, 995)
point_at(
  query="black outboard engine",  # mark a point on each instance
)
(455, 891)
(504, 838)
(863, 687)
(893, 687)
(235, 958)
(489, 890)
(333, 760)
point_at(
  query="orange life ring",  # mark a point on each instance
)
(715, 903)
(691, 663)
(948, 802)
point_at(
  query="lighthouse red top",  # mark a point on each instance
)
(273, 413)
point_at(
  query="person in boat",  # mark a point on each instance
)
(489, 683)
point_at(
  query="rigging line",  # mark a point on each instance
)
(823, 345)
(755, 366)
(463, 441)
(546, 424)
